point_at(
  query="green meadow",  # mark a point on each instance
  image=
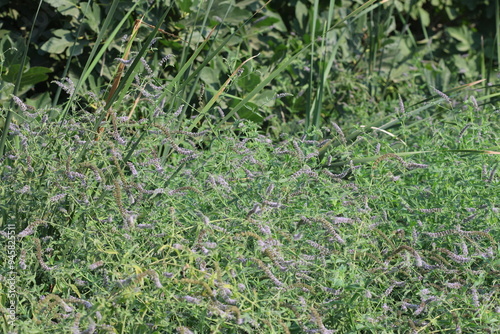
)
(251, 166)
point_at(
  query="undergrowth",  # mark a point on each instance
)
(149, 209)
(251, 233)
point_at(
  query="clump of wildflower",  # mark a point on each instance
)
(454, 285)
(306, 170)
(443, 95)
(19, 103)
(178, 111)
(268, 272)
(401, 105)
(57, 198)
(165, 59)
(184, 330)
(39, 256)
(191, 300)
(280, 95)
(339, 132)
(29, 229)
(96, 265)
(132, 168)
(22, 259)
(68, 87)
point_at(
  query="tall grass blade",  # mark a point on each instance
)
(93, 60)
(183, 83)
(313, 102)
(219, 92)
(287, 62)
(10, 112)
(71, 55)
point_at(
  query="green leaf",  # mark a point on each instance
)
(6, 88)
(35, 75)
(301, 14)
(57, 44)
(12, 48)
(76, 49)
(464, 36)
(249, 81)
(92, 15)
(424, 17)
(40, 100)
(249, 112)
(185, 5)
(65, 7)
(11, 75)
(231, 14)
(30, 77)
(210, 76)
(267, 22)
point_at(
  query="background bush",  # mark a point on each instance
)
(430, 43)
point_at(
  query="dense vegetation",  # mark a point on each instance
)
(241, 167)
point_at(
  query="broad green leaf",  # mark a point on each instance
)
(35, 75)
(57, 44)
(12, 48)
(250, 112)
(30, 77)
(236, 15)
(268, 21)
(65, 7)
(6, 88)
(185, 5)
(40, 101)
(301, 14)
(424, 17)
(92, 16)
(463, 35)
(210, 76)
(249, 81)
(76, 49)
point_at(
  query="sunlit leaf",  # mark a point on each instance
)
(65, 7)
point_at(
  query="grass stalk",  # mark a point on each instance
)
(10, 111)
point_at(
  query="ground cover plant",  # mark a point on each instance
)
(220, 185)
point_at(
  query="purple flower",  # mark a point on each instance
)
(57, 198)
(19, 103)
(96, 265)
